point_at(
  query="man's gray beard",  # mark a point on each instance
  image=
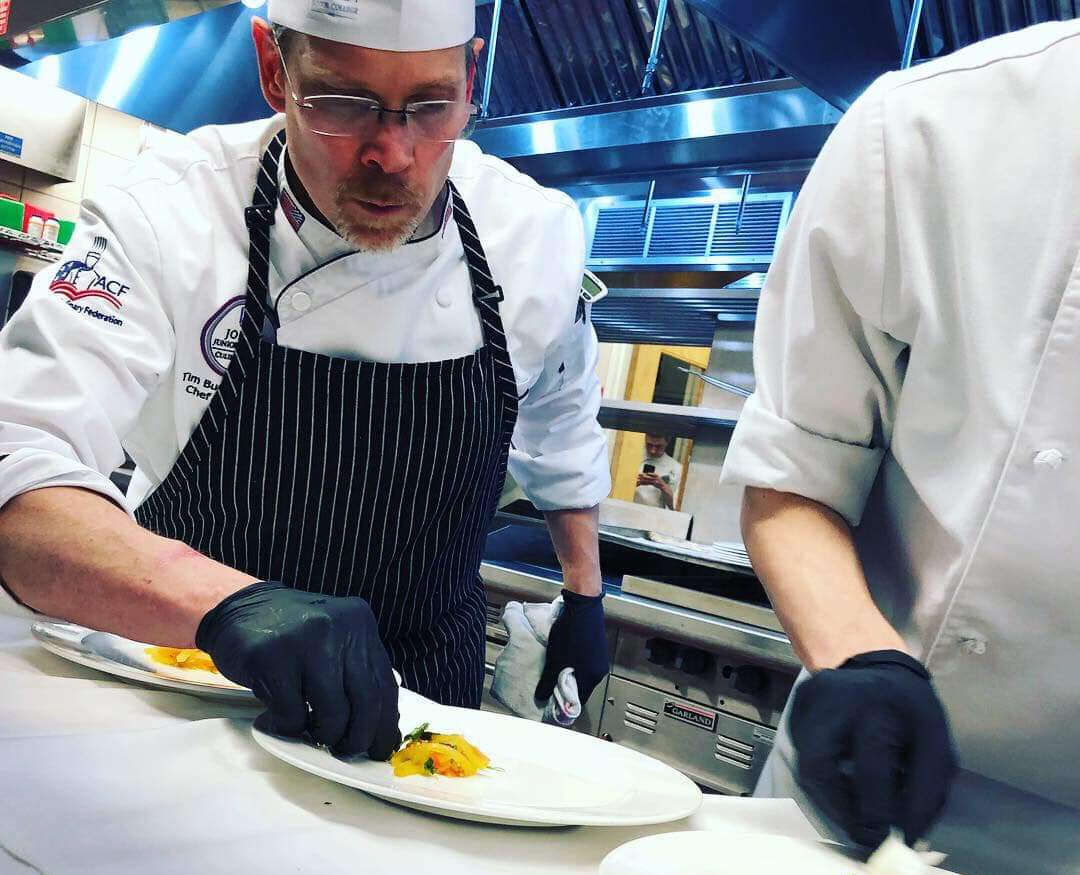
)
(361, 237)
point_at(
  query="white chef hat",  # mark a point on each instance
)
(392, 25)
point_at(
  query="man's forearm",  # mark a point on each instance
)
(804, 554)
(71, 553)
(575, 534)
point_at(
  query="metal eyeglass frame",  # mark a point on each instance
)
(375, 106)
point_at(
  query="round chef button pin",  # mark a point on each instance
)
(301, 302)
(1051, 458)
(444, 297)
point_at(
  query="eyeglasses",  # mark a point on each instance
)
(342, 115)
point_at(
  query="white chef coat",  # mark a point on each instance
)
(130, 359)
(917, 357)
(669, 471)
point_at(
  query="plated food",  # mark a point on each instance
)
(432, 753)
(182, 657)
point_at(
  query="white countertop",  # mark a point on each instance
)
(102, 777)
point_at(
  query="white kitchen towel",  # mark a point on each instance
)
(519, 666)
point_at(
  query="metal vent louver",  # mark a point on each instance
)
(640, 718)
(688, 231)
(619, 233)
(734, 752)
(758, 230)
(683, 319)
(681, 230)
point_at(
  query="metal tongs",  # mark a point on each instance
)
(719, 384)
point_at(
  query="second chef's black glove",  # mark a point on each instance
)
(577, 640)
(873, 746)
(315, 661)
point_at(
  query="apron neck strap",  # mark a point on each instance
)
(259, 218)
(484, 286)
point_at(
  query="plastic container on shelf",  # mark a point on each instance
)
(52, 230)
(12, 213)
(32, 212)
(35, 226)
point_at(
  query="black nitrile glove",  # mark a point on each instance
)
(298, 649)
(874, 747)
(577, 640)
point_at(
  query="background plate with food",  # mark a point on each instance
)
(188, 671)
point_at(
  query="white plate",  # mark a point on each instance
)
(546, 776)
(736, 852)
(726, 853)
(127, 659)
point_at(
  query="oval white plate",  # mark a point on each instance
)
(726, 853)
(127, 659)
(546, 776)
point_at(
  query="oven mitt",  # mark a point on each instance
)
(519, 666)
(315, 661)
(873, 746)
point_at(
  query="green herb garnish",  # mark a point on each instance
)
(419, 734)
(429, 766)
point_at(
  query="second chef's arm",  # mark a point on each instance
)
(829, 370)
(804, 555)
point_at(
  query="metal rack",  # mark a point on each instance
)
(35, 246)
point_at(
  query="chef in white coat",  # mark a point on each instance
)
(909, 454)
(322, 338)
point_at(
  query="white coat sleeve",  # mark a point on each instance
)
(80, 357)
(827, 371)
(559, 452)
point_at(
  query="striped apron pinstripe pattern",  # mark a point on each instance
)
(351, 477)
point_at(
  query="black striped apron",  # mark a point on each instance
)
(352, 477)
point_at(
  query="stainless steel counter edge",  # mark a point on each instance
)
(691, 627)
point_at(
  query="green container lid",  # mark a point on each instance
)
(66, 230)
(11, 214)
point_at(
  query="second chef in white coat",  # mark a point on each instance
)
(321, 356)
(911, 455)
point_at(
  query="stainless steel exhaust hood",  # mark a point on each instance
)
(740, 126)
(40, 28)
(191, 72)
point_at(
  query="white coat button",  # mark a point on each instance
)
(974, 644)
(1048, 459)
(301, 302)
(445, 297)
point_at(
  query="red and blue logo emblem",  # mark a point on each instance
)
(77, 279)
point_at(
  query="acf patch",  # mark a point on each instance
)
(80, 278)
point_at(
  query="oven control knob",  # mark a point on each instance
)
(750, 679)
(691, 660)
(659, 651)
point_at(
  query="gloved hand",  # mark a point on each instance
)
(874, 747)
(577, 640)
(298, 649)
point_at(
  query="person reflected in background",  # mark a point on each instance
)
(658, 480)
